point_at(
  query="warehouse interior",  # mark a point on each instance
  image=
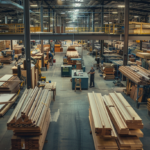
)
(74, 74)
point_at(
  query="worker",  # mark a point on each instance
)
(51, 58)
(92, 72)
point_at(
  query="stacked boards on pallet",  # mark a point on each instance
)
(30, 119)
(124, 122)
(9, 84)
(108, 71)
(136, 74)
(103, 132)
(6, 101)
(6, 60)
(2, 45)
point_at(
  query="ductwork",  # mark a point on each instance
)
(8, 2)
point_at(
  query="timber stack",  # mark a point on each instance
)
(30, 119)
(126, 123)
(9, 84)
(103, 132)
(108, 71)
(136, 74)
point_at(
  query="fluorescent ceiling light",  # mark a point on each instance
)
(33, 5)
(110, 22)
(116, 19)
(105, 22)
(45, 16)
(77, 4)
(136, 16)
(76, 9)
(105, 16)
(0, 20)
(115, 12)
(62, 13)
(9, 17)
(121, 6)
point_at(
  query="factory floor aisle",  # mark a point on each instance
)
(69, 127)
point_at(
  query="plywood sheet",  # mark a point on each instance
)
(6, 97)
(6, 77)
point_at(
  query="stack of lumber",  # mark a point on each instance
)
(136, 74)
(125, 120)
(71, 48)
(7, 43)
(50, 86)
(148, 105)
(108, 71)
(138, 62)
(120, 62)
(30, 119)
(103, 132)
(72, 54)
(2, 45)
(114, 112)
(9, 84)
(6, 60)
(6, 100)
(143, 55)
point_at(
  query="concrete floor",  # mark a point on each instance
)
(69, 128)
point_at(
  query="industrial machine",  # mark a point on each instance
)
(36, 63)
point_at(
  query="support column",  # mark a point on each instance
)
(64, 26)
(6, 20)
(56, 24)
(102, 19)
(11, 44)
(89, 22)
(93, 26)
(126, 32)
(27, 41)
(140, 45)
(60, 24)
(53, 22)
(42, 51)
(49, 20)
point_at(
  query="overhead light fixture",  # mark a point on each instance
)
(33, 5)
(76, 9)
(121, 6)
(136, 16)
(105, 16)
(77, 4)
(9, 17)
(110, 22)
(116, 19)
(62, 13)
(115, 12)
(0, 20)
(105, 22)
(45, 16)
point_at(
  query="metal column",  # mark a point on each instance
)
(6, 20)
(64, 26)
(49, 23)
(27, 41)
(93, 26)
(89, 22)
(60, 24)
(102, 19)
(140, 45)
(11, 44)
(56, 24)
(126, 32)
(42, 31)
(53, 22)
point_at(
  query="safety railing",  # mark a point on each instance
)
(134, 28)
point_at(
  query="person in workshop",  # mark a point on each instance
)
(92, 72)
(51, 58)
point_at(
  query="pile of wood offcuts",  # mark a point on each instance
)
(108, 71)
(136, 74)
(114, 123)
(30, 120)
